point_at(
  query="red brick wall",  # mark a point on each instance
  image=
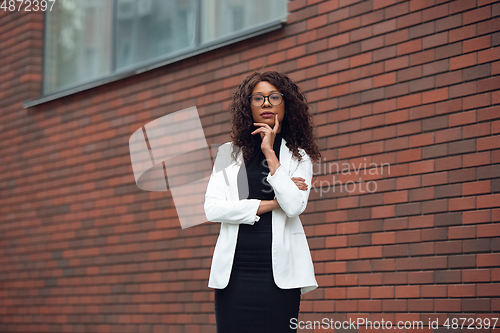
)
(414, 84)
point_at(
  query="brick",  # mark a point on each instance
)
(409, 73)
(317, 21)
(495, 10)
(360, 34)
(434, 291)
(448, 79)
(495, 68)
(488, 290)
(422, 30)
(436, 67)
(476, 101)
(372, 69)
(449, 22)
(407, 291)
(349, 75)
(476, 275)
(475, 44)
(447, 305)
(384, 80)
(476, 72)
(326, 56)
(350, 24)
(435, 40)
(435, 95)
(409, 47)
(372, 43)
(489, 142)
(381, 292)
(296, 5)
(360, 60)
(397, 10)
(489, 26)
(462, 290)
(350, 50)
(409, 20)
(311, 36)
(350, 100)
(328, 80)
(328, 6)
(338, 15)
(372, 17)
(377, 4)
(361, 85)
(408, 236)
(462, 33)
(397, 90)
(447, 276)
(390, 278)
(476, 305)
(433, 13)
(448, 50)
(476, 15)
(476, 217)
(397, 63)
(488, 84)
(292, 53)
(422, 84)
(420, 4)
(463, 89)
(488, 55)
(422, 57)
(385, 53)
(396, 37)
(476, 130)
(461, 5)
(488, 230)
(307, 61)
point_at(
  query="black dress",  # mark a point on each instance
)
(252, 302)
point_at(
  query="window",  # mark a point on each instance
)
(90, 41)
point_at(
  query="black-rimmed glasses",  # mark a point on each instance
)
(258, 100)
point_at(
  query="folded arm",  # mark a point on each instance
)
(292, 200)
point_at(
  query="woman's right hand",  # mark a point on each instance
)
(300, 182)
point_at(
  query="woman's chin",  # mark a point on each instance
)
(270, 122)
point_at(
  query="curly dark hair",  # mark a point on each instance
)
(296, 127)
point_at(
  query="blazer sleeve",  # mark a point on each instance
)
(217, 207)
(291, 199)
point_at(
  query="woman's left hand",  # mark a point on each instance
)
(300, 182)
(267, 133)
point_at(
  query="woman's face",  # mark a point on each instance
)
(266, 112)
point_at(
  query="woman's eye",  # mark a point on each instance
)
(257, 98)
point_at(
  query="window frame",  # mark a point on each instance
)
(150, 64)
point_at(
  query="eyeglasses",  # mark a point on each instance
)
(258, 100)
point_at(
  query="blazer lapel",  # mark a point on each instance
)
(285, 159)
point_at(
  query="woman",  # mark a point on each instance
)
(260, 184)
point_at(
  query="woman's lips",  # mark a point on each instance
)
(267, 115)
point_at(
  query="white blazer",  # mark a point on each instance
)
(291, 257)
